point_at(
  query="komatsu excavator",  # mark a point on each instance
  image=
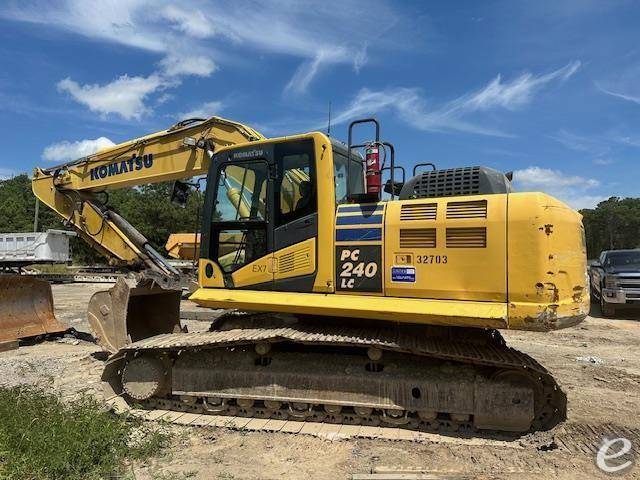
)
(344, 307)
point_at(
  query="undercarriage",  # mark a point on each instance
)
(318, 370)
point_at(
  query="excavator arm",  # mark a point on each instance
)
(148, 303)
(76, 190)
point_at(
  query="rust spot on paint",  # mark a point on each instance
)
(578, 293)
(548, 290)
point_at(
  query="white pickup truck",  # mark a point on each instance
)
(615, 280)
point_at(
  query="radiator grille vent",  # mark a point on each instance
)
(475, 209)
(292, 261)
(418, 211)
(448, 183)
(417, 238)
(467, 237)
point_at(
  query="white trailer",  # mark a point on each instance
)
(20, 249)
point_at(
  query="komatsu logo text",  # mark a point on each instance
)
(125, 166)
(249, 154)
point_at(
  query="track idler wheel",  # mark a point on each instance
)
(144, 377)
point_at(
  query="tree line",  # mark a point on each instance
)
(612, 224)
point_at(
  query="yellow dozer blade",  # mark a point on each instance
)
(26, 308)
(129, 312)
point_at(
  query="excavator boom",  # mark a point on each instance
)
(73, 190)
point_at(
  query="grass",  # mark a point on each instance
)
(58, 268)
(43, 438)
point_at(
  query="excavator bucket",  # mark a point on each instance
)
(129, 312)
(183, 246)
(26, 309)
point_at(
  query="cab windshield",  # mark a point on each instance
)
(623, 259)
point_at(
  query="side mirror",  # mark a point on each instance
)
(596, 264)
(180, 193)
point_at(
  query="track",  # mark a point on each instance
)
(272, 372)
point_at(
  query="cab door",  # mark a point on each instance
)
(295, 227)
(241, 236)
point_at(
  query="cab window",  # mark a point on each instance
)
(356, 182)
(242, 192)
(297, 188)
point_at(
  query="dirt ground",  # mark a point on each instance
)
(597, 364)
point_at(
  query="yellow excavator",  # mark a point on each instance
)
(346, 304)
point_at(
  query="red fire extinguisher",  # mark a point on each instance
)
(372, 159)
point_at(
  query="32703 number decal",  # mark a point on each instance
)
(432, 259)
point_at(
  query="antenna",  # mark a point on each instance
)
(329, 124)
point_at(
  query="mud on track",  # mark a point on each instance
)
(603, 393)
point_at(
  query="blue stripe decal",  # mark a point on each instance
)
(359, 234)
(364, 209)
(359, 220)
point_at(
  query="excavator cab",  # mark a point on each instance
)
(269, 214)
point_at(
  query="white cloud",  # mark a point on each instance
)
(304, 30)
(538, 177)
(191, 22)
(117, 21)
(360, 58)
(623, 96)
(622, 81)
(205, 110)
(124, 96)
(177, 65)
(628, 140)
(64, 151)
(164, 98)
(309, 69)
(579, 143)
(7, 173)
(575, 190)
(603, 161)
(409, 104)
(514, 94)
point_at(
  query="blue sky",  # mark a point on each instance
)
(550, 89)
